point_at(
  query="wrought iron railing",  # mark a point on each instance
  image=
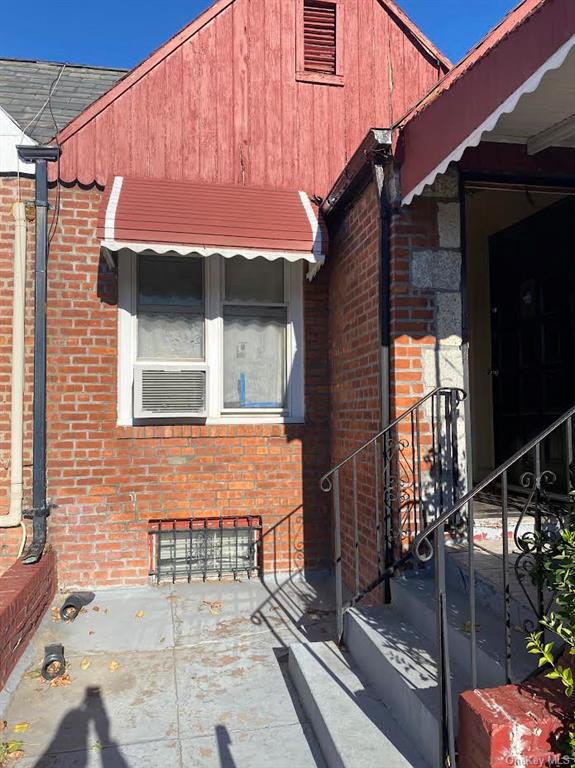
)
(532, 475)
(414, 486)
(386, 492)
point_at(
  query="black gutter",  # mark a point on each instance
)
(41, 156)
(376, 143)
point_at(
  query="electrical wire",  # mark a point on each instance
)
(37, 116)
(55, 218)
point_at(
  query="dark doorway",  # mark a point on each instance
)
(532, 274)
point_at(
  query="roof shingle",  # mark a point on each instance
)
(25, 85)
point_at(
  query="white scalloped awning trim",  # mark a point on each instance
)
(474, 138)
(316, 259)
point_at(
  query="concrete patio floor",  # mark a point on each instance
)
(200, 679)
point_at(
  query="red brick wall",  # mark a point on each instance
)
(411, 321)
(355, 341)
(108, 481)
(515, 725)
(25, 593)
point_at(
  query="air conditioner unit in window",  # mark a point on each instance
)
(170, 390)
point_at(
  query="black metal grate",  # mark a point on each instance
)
(182, 550)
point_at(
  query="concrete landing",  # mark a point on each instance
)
(174, 676)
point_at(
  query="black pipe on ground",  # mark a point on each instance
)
(40, 156)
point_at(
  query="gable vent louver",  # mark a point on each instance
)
(169, 391)
(319, 34)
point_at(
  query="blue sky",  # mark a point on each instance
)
(122, 32)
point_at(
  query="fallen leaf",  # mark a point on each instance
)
(21, 727)
(467, 627)
(13, 748)
(114, 666)
(54, 669)
(106, 611)
(16, 754)
(162, 640)
(34, 674)
(91, 632)
(96, 746)
(3, 725)
(85, 664)
(61, 681)
(140, 615)
(214, 606)
(96, 608)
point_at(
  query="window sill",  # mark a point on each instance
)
(319, 79)
(213, 429)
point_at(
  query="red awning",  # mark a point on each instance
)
(511, 61)
(207, 219)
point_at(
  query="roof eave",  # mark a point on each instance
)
(417, 34)
(377, 143)
(140, 70)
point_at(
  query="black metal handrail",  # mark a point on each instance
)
(481, 486)
(325, 483)
(396, 481)
(548, 514)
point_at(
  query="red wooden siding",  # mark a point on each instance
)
(224, 104)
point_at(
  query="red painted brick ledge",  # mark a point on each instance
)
(514, 725)
(26, 591)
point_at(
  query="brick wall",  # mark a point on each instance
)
(355, 342)
(427, 319)
(25, 594)
(411, 309)
(515, 725)
(108, 481)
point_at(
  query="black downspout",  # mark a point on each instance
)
(41, 156)
(385, 299)
(380, 170)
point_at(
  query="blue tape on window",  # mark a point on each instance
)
(244, 402)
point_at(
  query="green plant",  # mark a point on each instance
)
(556, 571)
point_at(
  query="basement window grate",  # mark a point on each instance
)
(198, 548)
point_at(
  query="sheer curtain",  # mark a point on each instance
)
(255, 319)
(170, 308)
(254, 357)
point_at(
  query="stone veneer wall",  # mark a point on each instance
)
(427, 345)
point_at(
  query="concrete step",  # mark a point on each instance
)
(489, 583)
(413, 596)
(354, 728)
(398, 662)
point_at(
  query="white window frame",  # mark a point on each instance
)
(213, 347)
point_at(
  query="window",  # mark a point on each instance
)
(171, 314)
(318, 43)
(231, 328)
(255, 321)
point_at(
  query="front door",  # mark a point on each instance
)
(533, 333)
